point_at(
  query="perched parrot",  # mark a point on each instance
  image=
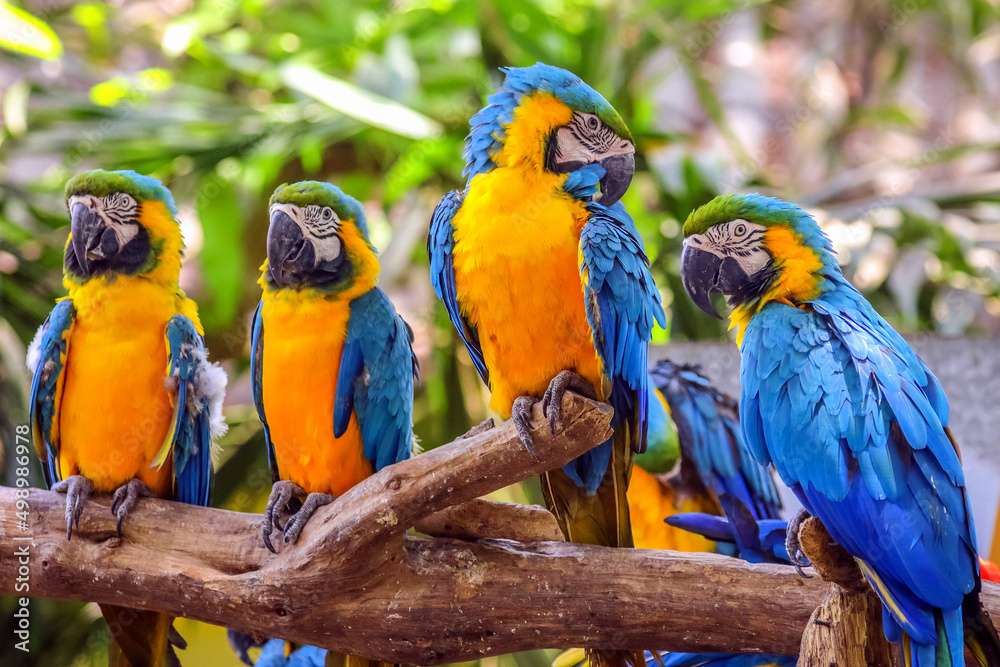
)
(544, 275)
(692, 422)
(651, 496)
(332, 363)
(123, 399)
(852, 419)
(714, 460)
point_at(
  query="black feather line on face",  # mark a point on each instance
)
(755, 286)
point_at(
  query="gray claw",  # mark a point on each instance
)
(792, 546)
(295, 525)
(281, 493)
(552, 399)
(125, 498)
(77, 489)
(520, 414)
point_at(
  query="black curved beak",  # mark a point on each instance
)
(93, 241)
(289, 253)
(703, 272)
(619, 170)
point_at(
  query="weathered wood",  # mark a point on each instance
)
(355, 583)
(487, 519)
(846, 629)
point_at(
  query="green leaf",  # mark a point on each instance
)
(24, 33)
(358, 103)
(221, 257)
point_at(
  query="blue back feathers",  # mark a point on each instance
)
(856, 425)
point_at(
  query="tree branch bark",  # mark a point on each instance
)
(357, 584)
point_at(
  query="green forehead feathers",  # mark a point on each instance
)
(100, 183)
(755, 208)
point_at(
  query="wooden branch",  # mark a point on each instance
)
(487, 519)
(357, 584)
(845, 630)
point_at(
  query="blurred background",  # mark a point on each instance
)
(880, 117)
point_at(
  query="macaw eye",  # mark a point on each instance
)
(740, 229)
(593, 123)
(119, 200)
(327, 213)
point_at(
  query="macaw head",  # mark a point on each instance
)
(754, 249)
(121, 224)
(548, 120)
(318, 239)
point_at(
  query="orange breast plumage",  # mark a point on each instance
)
(304, 335)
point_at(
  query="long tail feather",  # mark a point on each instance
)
(140, 638)
(601, 518)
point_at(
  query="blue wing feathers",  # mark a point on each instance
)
(192, 443)
(257, 383)
(51, 345)
(622, 305)
(869, 453)
(351, 367)
(712, 444)
(379, 375)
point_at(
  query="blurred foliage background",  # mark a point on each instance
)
(879, 116)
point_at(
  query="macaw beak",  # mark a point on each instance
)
(617, 177)
(703, 272)
(93, 241)
(289, 253)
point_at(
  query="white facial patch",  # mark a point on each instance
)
(318, 224)
(739, 239)
(587, 139)
(117, 210)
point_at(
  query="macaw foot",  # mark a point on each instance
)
(552, 400)
(281, 493)
(295, 525)
(795, 554)
(482, 427)
(520, 414)
(77, 488)
(125, 498)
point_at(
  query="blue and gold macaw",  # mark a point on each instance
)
(852, 419)
(544, 276)
(692, 423)
(328, 426)
(332, 362)
(714, 460)
(123, 399)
